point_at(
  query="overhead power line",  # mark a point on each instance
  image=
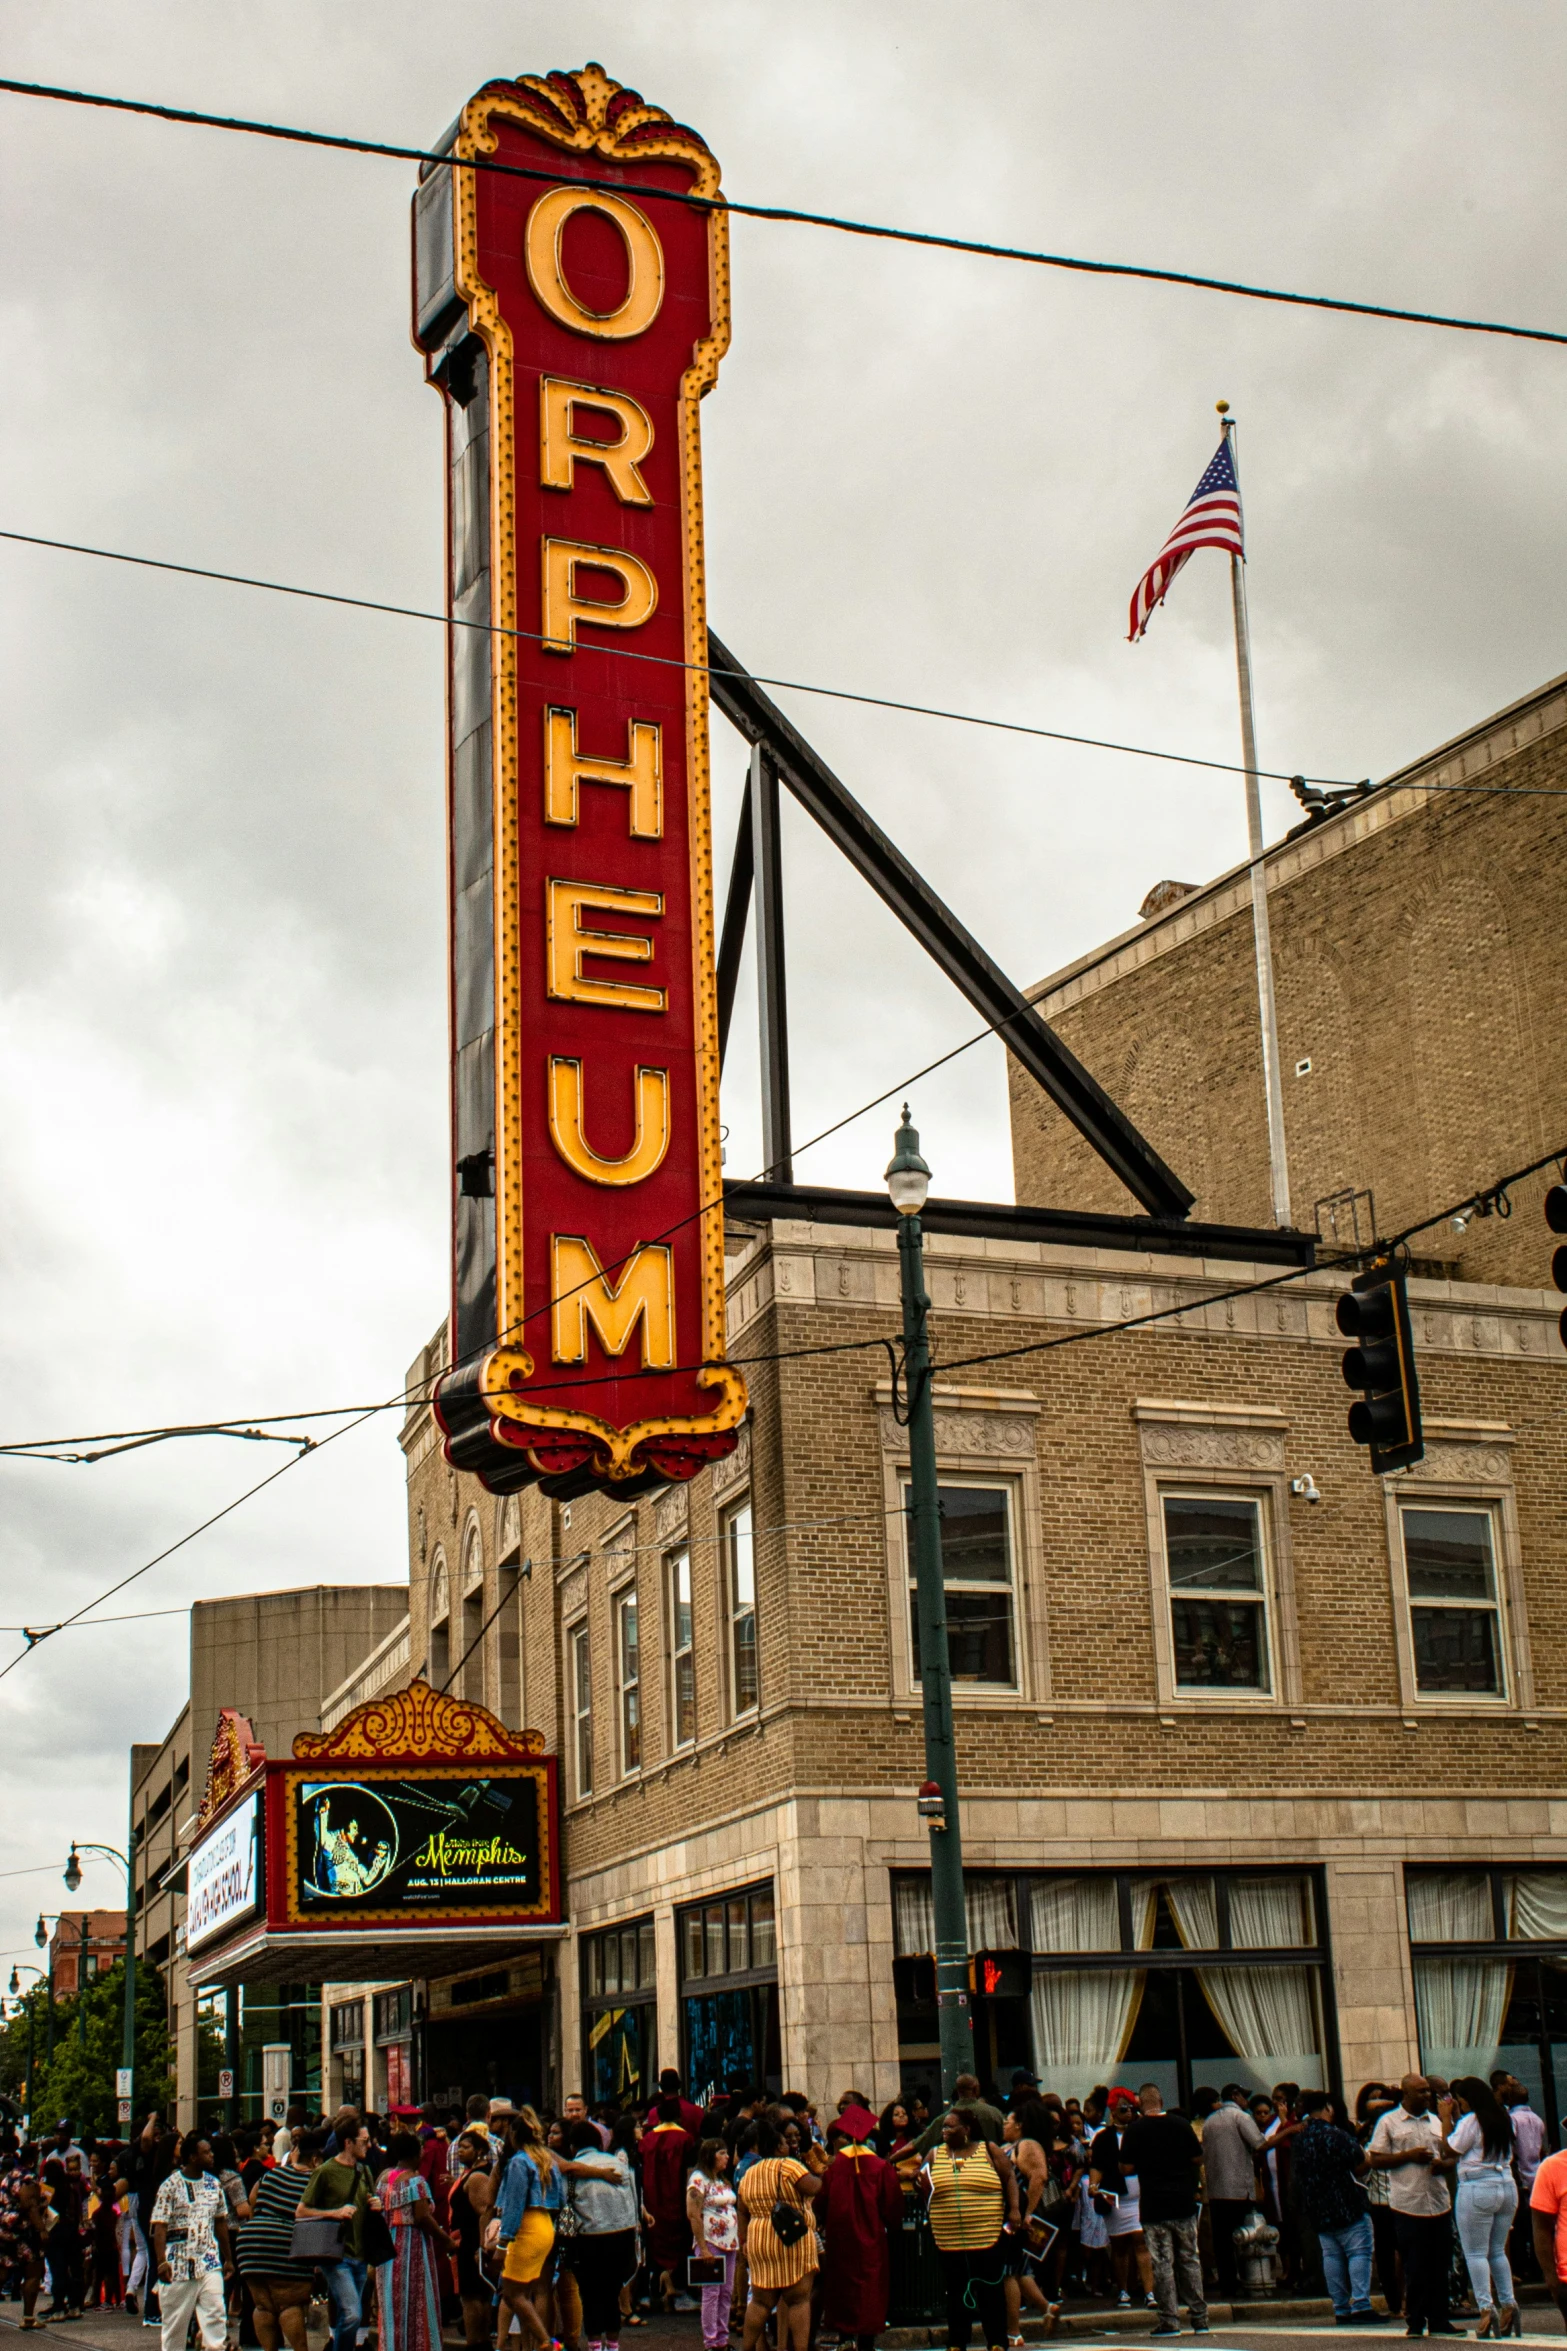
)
(1008, 726)
(792, 214)
(967, 718)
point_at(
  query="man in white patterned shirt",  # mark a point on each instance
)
(190, 2245)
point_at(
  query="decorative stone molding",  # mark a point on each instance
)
(1003, 1436)
(1189, 1448)
(1463, 1465)
(735, 1467)
(1178, 1435)
(672, 1510)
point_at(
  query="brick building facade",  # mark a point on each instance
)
(1264, 1761)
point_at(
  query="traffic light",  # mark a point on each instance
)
(1556, 1218)
(1374, 1312)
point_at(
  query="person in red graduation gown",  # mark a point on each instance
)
(859, 2206)
(667, 2152)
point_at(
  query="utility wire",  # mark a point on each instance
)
(1486, 1200)
(791, 213)
(967, 718)
(487, 628)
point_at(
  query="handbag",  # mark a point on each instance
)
(315, 2238)
(377, 2239)
(789, 2222)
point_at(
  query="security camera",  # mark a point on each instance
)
(1306, 1488)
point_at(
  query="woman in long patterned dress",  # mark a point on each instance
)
(408, 2293)
(780, 2269)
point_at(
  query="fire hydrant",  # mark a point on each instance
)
(1256, 2243)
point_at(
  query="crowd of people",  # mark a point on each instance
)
(776, 2223)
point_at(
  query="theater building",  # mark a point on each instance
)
(1263, 1759)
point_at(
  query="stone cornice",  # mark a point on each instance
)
(1007, 1282)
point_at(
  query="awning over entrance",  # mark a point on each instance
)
(268, 1958)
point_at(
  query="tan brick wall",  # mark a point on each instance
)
(1417, 949)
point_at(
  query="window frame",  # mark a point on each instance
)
(970, 1481)
(739, 1710)
(1201, 1489)
(628, 1729)
(1411, 1490)
(677, 1560)
(579, 1654)
(1269, 1489)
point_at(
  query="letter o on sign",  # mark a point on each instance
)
(644, 264)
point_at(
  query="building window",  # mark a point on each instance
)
(682, 1650)
(729, 1992)
(348, 2025)
(620, 2014)
(976, 1566)
(740, 1586)
(628, 1674)
(581, 1688)
(1214, 1559)
(1185, 1978)
(1454, 1610)
(1489, 1948)
(440, 1625)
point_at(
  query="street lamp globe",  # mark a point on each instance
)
(16, 1983)
(73, 1869)
(907, 1176)
(40, 1932)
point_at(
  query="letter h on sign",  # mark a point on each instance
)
(573, 332)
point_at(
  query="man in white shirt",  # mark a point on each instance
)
(1407, 2145)
(1230, 2140)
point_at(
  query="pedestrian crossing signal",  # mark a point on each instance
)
(1374, 1312)
(1556, 1218)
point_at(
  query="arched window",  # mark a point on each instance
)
(440, 1625)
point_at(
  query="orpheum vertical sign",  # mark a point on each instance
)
(574, 319)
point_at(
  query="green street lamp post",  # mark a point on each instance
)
(908, 1182)
(73, 1879)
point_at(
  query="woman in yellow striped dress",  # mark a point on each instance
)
(780, 2268)
(973, 2199)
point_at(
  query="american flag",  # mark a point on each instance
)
(1212, 519)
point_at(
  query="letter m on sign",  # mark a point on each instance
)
(584, 1294)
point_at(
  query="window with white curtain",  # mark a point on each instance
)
(1110, 1991)
(991, 1905)
(1489, 1949)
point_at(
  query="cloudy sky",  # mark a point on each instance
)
(222, 1015)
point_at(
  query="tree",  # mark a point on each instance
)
(80, 2081)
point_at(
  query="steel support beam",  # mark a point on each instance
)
(999, 1220)
(1078, 1095)
(731, 941)
(772, 1000)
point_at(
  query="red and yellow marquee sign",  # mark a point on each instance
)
(574, 329)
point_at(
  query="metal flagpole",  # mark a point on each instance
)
(1272, 1075)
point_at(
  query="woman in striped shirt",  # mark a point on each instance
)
(973, 2198)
